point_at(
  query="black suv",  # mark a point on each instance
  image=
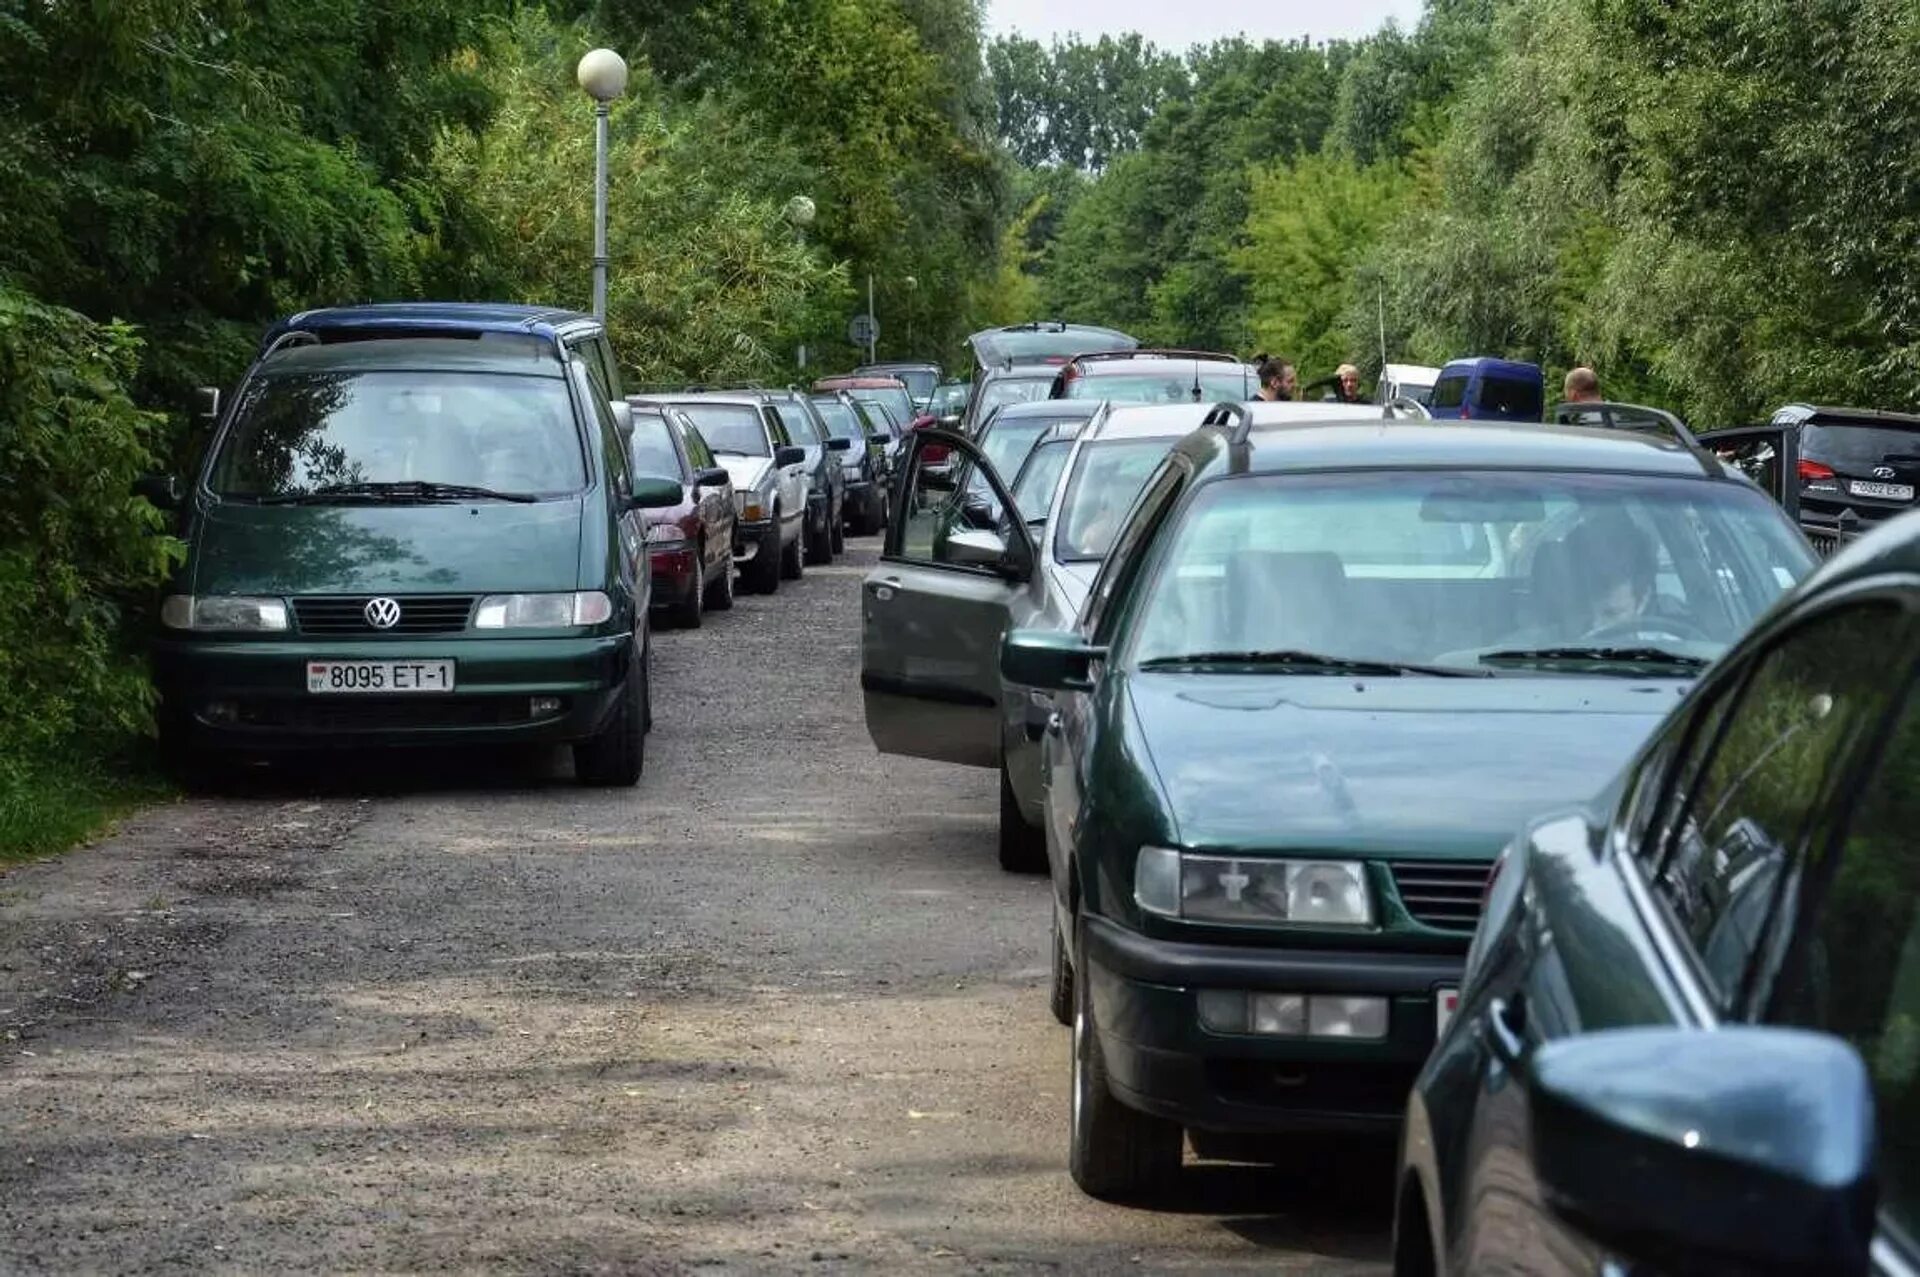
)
(826, 480)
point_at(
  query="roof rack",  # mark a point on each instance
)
(289, 339)
(1235, 418)
(1637, 418)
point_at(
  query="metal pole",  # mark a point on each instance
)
(872, 336)
(600, 113)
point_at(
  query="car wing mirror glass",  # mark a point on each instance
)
(1049, 660)
(839, 444)
(711, 477)
(976, 548)
(789, 455)
(1741, 1148)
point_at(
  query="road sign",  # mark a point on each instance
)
(863, 330)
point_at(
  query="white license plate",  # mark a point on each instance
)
(379, 676)
(1885, 491)
(1445, 1003)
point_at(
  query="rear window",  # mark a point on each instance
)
(1857, 449)
(652, 449)
(1449, 392)
(730, 427)
(1026, 347)
(1175, 383)
(1002, 391)
(1510, 398)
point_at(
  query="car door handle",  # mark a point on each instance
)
(1506, 1029)
(1054, 725)
(883, 588)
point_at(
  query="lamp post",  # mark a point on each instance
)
(799, 212)
(603, 74)
(913, 287)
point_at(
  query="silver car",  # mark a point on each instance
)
(964, 565)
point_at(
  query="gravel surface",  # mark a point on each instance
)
(775, 1009)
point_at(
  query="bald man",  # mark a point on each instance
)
(1582, 386)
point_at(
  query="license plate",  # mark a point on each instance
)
(379, 676)
(1885, 491)
(1445, 1003)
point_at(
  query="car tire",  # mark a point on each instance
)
(720, 589)
(686, 613)
(190, 766)
(765, 570)
(1114, 1153)
(1060, 988)
(819, 541)
(617, 754)
(838, 533)
(1023, 847)
(793, 559)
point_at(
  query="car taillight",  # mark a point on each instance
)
(934, 453)
(1813, 471)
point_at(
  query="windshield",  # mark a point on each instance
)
(1033, 487)
(840, 422)
(652, 447)
(895, 400)
(1172, 384)
(950, 399)
(730, 427)
(920, 381)
(1024, 347)
(1100, 492)
(1002, 391)
(1858, 449)
(1477, 571)
(302, 434)
(1008, 440)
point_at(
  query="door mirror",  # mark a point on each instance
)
(622, 419)
(162, 490)
(789, 456)
(880, 437)
(977, 548)
(651, 492)
(1740, 1148)
(711, 477)
(1049, 660)
(839, 444)
(210, 402)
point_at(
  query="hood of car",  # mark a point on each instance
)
(1408, 766)
(746, 472)
(457, 547)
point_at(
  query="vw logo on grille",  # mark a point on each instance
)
(1883, 472)
(382, 613)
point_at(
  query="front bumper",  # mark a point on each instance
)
(251, 695)
(1161, 1060)
(747, 538)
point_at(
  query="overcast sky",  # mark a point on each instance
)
(1175, 24)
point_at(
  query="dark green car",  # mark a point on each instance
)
(418, 542)
(1324, 674)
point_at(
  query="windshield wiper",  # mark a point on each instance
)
(1615, 655)
(405, 490)
(1317, 662)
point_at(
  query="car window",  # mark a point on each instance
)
(1001, 391)
(619, 474)
(799, 425)
(1039, 476)
(727, 427)
(1858, 449)
(1510, 398)
(1176, 383)
(1008, 441)
(1106, 479)
(652, 449)
(947, 497)
(884, 411)
(1449, 392)
(1156, 497)
(297, 435)
(697, 450)
(839, 418)
(782, 437)
(1762, 779)
(1854, 970)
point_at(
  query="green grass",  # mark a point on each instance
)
(47, 807)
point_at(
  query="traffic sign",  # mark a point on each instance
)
(863, 330)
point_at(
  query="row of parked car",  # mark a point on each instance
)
(1529, 791)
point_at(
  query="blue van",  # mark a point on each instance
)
(1484, 389)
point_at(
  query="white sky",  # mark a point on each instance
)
(1177, 24)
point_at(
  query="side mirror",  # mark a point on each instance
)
(1049, 660)
(839, 444)
(162, 490)
(789, 456)
(880, 437)
(1737, 1149)
(711, 477)
(210, 396)
(651, 492)
(976, 548)
(622, 418)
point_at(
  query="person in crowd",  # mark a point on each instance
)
(1277, 380)
(1582, 386)
(1346, 384)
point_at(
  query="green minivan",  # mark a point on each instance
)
(412, 540)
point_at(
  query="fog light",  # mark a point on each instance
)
(1223, 1010)
(1347, 1017)
(1284, 1013)
(541, 706)
(220, 712)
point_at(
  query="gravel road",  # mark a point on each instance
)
(776, 1009)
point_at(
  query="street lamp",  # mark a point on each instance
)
(913, 287)
(603, 74)
(799, 213)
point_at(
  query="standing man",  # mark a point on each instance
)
(1346, 384)
(1582, 386)
(1276, 375)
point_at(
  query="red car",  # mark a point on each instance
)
(689, 545)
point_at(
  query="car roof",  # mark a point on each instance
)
(419, 318)
(1800, 414)
(1048, 410)
(417, 354)
(1148, 421)
(1335, 444)
(1410, 372)
(745, 398)
(852, 382)
(920, 365)
(1487, 363)
(1022, 372)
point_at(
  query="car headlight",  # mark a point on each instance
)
(228, 612)
(662, 536)
(541, 611)
(1252, 891)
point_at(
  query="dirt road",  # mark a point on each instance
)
(775, 1009)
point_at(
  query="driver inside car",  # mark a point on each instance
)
(1618, 564)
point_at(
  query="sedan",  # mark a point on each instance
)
(689, 545)
(1686, 1037)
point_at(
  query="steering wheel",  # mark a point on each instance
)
(1648, 626)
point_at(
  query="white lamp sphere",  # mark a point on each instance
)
(800, 211)
(603, 74)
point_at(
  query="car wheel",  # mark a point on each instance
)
(720, 588)
(618, 753)
(1023, 848)
(819, 541)
(1115, 1153)
(765, 570)
(793, 564)
(194, 768)
(1060, 991)
(838, 525)
(686, 613)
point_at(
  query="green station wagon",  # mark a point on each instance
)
(412, 541)
(1324, 674)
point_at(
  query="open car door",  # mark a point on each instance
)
(934, 611)
(1769, 455)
